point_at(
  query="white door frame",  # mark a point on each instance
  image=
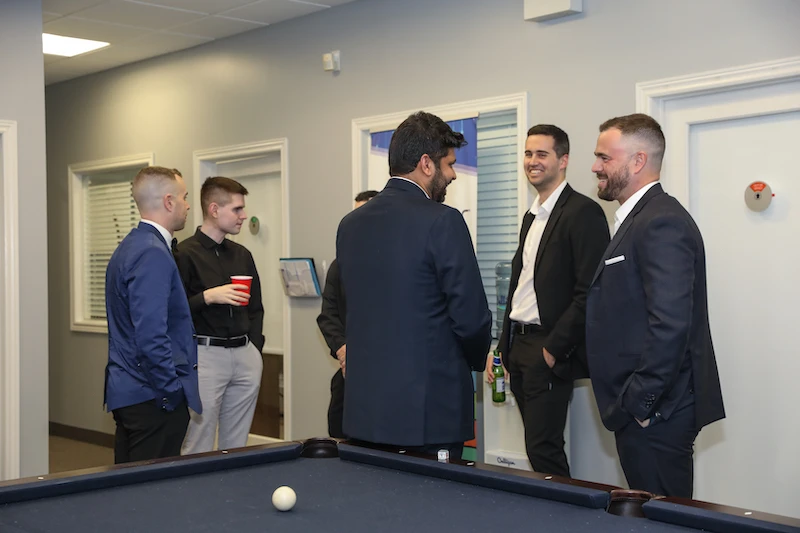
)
(363, 127)
(248, 150)
(652, 98)
(9, 329)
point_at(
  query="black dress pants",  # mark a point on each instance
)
(543, 400)
(145, 431)
(336, 407)
(659, 458)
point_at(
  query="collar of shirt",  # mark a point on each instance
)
(162, 230)
(628, 205)
(207, 241)
(546, 208)
(414, 182)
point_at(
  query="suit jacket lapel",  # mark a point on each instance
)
(552, 220)
(623, 229)
(516, 262)
(527, 222)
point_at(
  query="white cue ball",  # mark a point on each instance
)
(284, 498)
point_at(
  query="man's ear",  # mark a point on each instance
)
(427, 165)
(639, 161)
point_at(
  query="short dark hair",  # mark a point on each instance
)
(419, 134)
(177, 172)
(643, 127)
(560, 137)
(219, 190)
(363, 196)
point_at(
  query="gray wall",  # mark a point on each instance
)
(22, 100)
(395, 55)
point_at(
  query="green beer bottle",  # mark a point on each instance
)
(499, 383)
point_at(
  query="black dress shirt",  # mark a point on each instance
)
(204, 264)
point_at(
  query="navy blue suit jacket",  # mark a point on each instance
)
(648, 339)
(152, 352)
(417, 319)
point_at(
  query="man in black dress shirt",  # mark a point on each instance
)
(331, 323)
(227, 320)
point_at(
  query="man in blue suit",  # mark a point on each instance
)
(151, 375)
(417, 317)
(648, 339)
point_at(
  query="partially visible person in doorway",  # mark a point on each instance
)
(331, 322)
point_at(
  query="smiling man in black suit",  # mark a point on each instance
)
(648, 340)
(562, 238)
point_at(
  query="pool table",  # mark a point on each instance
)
(344, 487)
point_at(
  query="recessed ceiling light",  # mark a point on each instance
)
(58, 45)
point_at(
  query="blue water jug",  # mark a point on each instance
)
(503, 280)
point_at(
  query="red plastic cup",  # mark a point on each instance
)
(243, 280)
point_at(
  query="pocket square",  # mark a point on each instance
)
(613, 260)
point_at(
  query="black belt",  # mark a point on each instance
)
(525, 329)
(230, 342)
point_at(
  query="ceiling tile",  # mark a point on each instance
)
(150, 45)
(113, 56)
(92, 29)
(272, 11)
(67, 7)
(136, 14)
(47, 17)
(204, 6)
(216, 27)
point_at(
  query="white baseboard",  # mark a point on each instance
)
(515, 460)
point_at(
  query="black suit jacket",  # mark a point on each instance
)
(417, 319)
(648, 338)
(332, 319)
(574, 239)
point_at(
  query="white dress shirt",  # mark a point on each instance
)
(414, 182)
(628, 205)
(162, 230)
(524, 305)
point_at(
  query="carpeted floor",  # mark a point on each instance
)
(66, 454)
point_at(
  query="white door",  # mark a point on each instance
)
(263, 203)
(751, 458)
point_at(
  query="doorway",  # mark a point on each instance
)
(261, 168)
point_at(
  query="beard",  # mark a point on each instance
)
(439, 186)
(615, 184)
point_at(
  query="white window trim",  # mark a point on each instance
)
(9, 329)
(363, 127)
(77, 174)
